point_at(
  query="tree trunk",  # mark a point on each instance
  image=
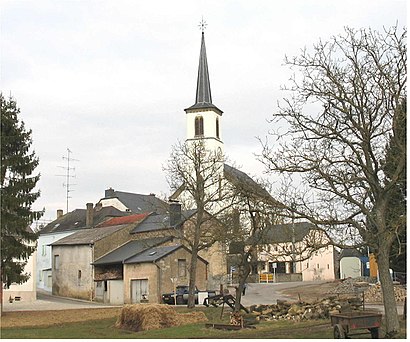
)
(389, 301)
(192, 277)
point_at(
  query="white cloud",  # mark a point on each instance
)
(110, 79)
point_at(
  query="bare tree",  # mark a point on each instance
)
(254, 211)
(195, 174)
(336, 126)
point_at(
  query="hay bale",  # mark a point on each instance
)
(141, 317)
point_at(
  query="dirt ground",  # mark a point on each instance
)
(306, 293)
(310, 293)
(45, 318)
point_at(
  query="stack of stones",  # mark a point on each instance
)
(372, 292)
(304, 311)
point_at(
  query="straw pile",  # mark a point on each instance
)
(140, 317)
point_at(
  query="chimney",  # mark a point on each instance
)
(174, 213)
(89, 216)
(59, 213)
(109, 193)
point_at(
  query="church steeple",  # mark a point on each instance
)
(203, 86)
(204, 118)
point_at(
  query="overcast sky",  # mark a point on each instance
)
(110, 79)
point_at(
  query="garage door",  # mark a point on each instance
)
(139, 290)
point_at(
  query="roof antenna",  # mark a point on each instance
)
(67, 175)
(202, 25)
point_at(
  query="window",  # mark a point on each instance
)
(43, 250)
(318, 266)
(181, 267)
(328, 266)
(217, 128)
(79, 277)
(199, 126)
(307, 265)
(56, 262)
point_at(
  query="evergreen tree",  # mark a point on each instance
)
(18, 163)
(396, 215)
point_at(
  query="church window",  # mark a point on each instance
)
(199, 126)
(217, 128)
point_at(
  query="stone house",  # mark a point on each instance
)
(72, 256)
(63, 226)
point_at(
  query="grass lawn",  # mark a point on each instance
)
(104, 328)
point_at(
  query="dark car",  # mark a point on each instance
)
(182, 296)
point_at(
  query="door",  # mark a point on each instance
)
(139, 290)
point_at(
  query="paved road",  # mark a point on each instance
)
(255, 294)
(46, 301)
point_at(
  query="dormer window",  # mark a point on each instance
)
(199, 126)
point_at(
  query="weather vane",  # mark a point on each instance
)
(202, 25)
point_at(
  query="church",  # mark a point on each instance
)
(131, 248)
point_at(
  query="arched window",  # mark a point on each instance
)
(217, 128)
(199, 126)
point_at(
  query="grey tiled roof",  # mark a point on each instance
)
(156, 253)
(152, 254)
(139, 203)
(130, 249)
(88, 236)
(280, 233)
(159, 222)
(76, 219)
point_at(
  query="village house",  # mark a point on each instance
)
(26, 291)
(295, 252)
(72, 256)
(63, 226)
(114, 204)
(100, 263)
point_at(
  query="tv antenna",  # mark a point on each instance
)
(68, 175)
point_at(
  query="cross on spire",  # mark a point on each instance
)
(202, 25)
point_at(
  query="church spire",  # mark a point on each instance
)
(203, 86)
(203, 97)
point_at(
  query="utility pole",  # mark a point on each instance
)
(68, 175)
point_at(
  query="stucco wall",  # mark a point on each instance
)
(159, 277)
(43, 260)
(26, 291)
(318, 267)
(67, 281)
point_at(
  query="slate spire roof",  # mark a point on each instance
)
(203, 98)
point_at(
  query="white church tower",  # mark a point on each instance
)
(203, 119)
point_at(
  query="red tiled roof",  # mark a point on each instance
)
(123, 220)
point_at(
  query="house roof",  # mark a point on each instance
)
(138, 203)
(281, 233)
(88, 236)
(160, 221)
(115, 221)
(76, 219)
(130, 249)
(156, 253)
(203, 99)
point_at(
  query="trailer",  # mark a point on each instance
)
(343, 323)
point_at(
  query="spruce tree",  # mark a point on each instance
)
(18, 163)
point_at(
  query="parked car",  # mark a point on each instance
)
(182, 293)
